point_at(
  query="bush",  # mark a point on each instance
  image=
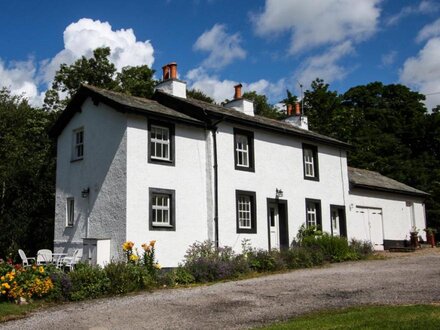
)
(334, 248)
(127, 277)
(62, 286)
(88, 282)
(207, 263)
(362, 248)
(265, 261)
(302, 257)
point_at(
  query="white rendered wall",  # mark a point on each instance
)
(396, 214)
(278, 164)
(187, 178)
(102, 170)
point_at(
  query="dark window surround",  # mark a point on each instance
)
(250, 136)
(253, 196)
(317, 203)
(74, 157)
(342, 221)
(315, 161)
(171, 129)
(172, 194)
(70, 212)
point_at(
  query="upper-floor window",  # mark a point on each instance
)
(78, 144)
(313, 213)
(161, 143)
(244, 150)
(246, 212)
(70, 212)
(310, 160)
(162, 210)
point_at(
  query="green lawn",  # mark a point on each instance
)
(371, 317)
(10, 311)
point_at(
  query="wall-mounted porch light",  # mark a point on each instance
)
(85, 192)
(278, 193)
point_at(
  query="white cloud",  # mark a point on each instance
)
(220, 90)
(422, 72)
(19, 78)
(429, 31)
(85, 35)
(388, 58)
(317, 23)
(424, 7)
(223, 48)
(325, 65)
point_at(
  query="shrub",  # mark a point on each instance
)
(62, 286)
(334, 248)
(302, 257)
(265, 261)
(127, 277)
(207, 263)
(88, 282)
(362, 248)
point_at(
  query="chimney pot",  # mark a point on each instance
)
(237, 94)
(166, 72)
(289, 110)
(297, 109)
(173, 70)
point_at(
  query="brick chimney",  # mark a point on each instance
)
(296, 119)
(170, 84)
(239, 103)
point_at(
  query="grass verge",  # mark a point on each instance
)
(10, 311)
(368, 317)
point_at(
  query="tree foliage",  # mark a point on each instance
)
(27, 176)
(261, 105)
(199, 95)
(100, 72)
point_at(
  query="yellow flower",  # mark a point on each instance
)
(146, 247)
(2, 278)
(157, 266)
(3, 292)
(6, 285)
(152, 243)
(127, 245)
(134, 257)
(41, 269)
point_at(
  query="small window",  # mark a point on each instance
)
(310, 160)
(70, 212)
(246, 212)
(78, 144)
(161, 143)
(313, 213)
(162, 209)
(244, 150)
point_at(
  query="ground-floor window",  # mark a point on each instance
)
(313, 213)
(162, 209)
(246, 211)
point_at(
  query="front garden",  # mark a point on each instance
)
(203, 263)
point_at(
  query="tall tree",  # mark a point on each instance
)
(261, 105)
(100, 72)
(27, 176)
(199, 95)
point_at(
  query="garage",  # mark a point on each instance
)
(369, 224)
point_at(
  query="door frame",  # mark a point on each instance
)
(283, 222)
(342, 219)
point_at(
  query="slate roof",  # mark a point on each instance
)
(120, 102)
(240, 117)
(360, 178)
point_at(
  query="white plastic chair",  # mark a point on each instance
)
(70, 262)
(44, 257)
(25, 260)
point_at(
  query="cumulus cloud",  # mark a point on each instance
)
(424, 7)
(429, 31)
(422, 72)
(317, 23)
(220, 89)
(223, 48)
(19, 78)
(325, 65)
(85, 35)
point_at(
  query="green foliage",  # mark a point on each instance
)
(199, 95)
(88, 282)
(177, 276)
(27, 177)
(265, 261)
(305, 232)
(261, 105)
(100, 72)
(333, 248)
(302, 257)
(127, 277)
(362, 248)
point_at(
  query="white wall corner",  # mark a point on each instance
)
(174, 87)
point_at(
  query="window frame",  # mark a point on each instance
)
(171, 210)
(253, 210)
(75, 145)
(171, 144)
(314, 150)
(318, 213)
(70, 212)
(251, 159)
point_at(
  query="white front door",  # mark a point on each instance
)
(274, 223)
(335, 222)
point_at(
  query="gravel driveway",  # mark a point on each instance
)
(408, 279)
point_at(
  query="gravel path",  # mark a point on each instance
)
(407, 279)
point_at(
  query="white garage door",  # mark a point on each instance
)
(368, 226)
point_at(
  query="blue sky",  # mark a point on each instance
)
(267, 45)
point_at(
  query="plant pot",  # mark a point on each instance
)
(414, 240)
(431, 239)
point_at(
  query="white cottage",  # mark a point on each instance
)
(179, 170)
